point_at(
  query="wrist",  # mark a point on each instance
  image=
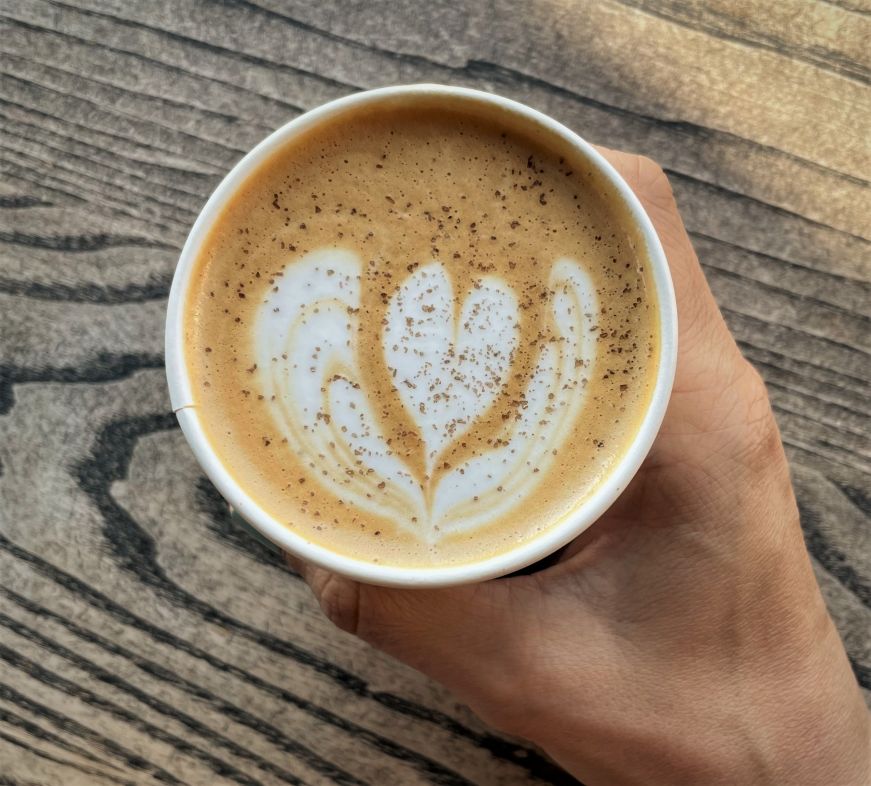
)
(798, 726)
(770, 700)
(819, 730)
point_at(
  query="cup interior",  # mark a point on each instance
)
(556, 536)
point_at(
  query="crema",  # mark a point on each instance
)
(422, 334)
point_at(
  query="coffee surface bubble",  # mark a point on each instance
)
(422, 334)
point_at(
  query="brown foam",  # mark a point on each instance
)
(401, 186)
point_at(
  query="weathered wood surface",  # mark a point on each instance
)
(143, 639)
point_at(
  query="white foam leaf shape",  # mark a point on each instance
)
(448, 368)
(305, 337)
(488, 486)
(308, 368)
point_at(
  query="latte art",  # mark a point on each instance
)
(421, 334)
(449, 360)
(448, 370)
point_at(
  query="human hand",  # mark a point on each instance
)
(680, 639)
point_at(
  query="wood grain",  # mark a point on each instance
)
(144, 638)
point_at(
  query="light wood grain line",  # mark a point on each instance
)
(24, 166)
(89, 45)
(65, 763)
(550, 87)
(828, 60)
(343, 678)
(471, 67)
(66, 724)
(146, 639)
(226, 708)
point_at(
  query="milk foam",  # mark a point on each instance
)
(449, 354)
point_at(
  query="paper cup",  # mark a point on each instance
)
(555, 536)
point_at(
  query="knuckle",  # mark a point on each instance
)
(762, 439)
(649, 166)
(340, 602)
(654, 180)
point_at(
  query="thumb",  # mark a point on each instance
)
(460, 636)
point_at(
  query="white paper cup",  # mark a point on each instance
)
(554, 537)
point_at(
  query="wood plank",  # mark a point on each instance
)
(143, 638)
(828, 36)
(285, 684)
(751, 165)
(673, 80)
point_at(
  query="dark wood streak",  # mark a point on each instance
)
(262, 727)
(209, 735)
(206, 46)
(161, 99)
(74, 243)
(831, 558)
(81, 130)
(88, 293)
(522, 757)
(769, 208)
(44, 183)
(846, 314)
(130, 171)
(37, 732)
(825, 340)
(223, 116)
(103, 368)
(65, 723)
(858, 497)
(54, 680)
(863, 673)
(768, 370)
(88, 164)
(763, 357)
(30, 84)
(62, 34)
(18, 202)
(135, 551)
(63, 762)
(835, 412)
(797, 449)
(822, 275)
(222, 525)
(14, 172)
(482, 68)
(847, 6)
(825, 60)
(115, 130)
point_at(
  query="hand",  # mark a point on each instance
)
(682, 638)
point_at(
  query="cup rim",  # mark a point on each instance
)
(556, 535)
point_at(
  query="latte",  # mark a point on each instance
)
(423, 333)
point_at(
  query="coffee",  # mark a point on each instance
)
(422, 332)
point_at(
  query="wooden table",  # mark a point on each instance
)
(143, 637)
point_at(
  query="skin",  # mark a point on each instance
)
(683, 638)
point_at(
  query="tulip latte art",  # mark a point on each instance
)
(421, 335)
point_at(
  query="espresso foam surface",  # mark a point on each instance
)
(420, 336)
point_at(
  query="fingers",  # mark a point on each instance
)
(338, 597)
(445, 633)
(700, 323)
(653, 189)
